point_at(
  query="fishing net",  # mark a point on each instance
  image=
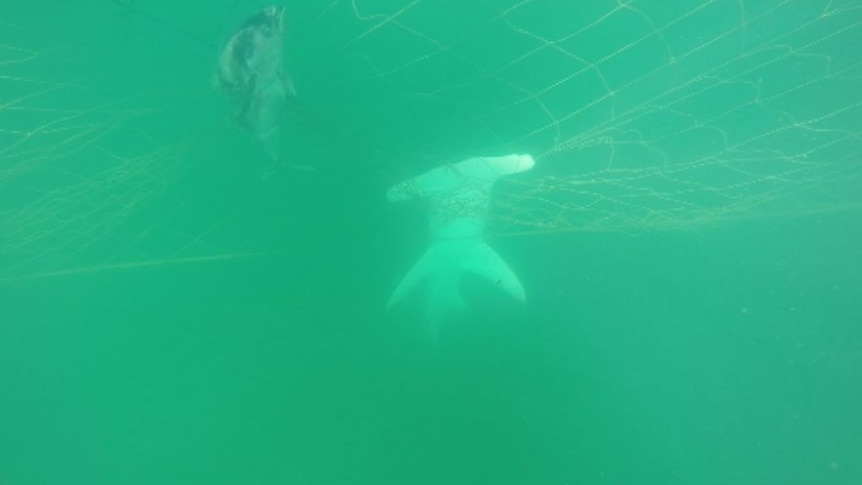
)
(641, 115)
(103, 112)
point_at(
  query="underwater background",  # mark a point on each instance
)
(689, 241)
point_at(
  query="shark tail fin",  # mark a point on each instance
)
(446, 262)
(484, 262)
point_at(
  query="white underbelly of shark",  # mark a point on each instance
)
(458, 196)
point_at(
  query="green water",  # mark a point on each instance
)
(691, 269)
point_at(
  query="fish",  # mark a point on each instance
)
(252, 76)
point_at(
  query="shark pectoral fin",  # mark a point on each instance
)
(420, 271)
(289, 87)
(271, 143)
(486, 263)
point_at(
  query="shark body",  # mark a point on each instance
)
(458, 196)
(251, 74)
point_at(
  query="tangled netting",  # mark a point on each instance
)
(641, 115)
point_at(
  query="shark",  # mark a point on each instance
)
(458, 197)
(252, 76)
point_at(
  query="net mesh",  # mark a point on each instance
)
(641, 115)
(90, 156)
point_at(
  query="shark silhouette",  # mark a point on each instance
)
(458, 196)
(251, 74)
